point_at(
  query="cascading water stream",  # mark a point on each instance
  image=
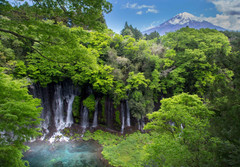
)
(123, 118)
(143, 124)
(85, 122)
(58, 109)
(42, 93)
(57, 101)
(140, 124)
(62, 108)
(95, 118)
(46, 113)
(58, 114)
(128, 115)
(69, 120)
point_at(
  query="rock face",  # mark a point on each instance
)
(58, 100)
(182, 20)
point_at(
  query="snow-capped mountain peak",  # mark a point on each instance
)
(183, 18)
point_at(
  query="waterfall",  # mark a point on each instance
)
(172, 123)
(123, 118)
(69, 120)
(46, 113)
(56, 100)
(62, 109)
(58, 108)
(43, 94)
(140, 124)
(85, 123)
(95, 118)
(62, 103)
(143, 124)
(128, 115)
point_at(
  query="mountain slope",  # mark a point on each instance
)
(182, 20)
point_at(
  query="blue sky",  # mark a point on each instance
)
(144, 14)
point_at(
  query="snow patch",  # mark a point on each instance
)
(184, 18)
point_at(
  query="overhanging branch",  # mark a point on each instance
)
(19, 36)
(24, 37)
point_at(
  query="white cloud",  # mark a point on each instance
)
(226, 21)
(230, 17)
(149, 8)
(139, 12)
(136, 6)
(228, 7)
(152, 11)
(131, 6)
(153, 24)
(146, 6)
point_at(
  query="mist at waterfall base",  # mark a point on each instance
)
(63, 154)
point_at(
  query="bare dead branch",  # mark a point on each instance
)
(167, 71)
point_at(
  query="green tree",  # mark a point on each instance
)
(135, 81)
(224, 100)
(152, 35)
(234, 37)
(140, 97)
(126, 30)
(84, 13)
(19, 116)
(128, 152)
(54, 51)
(198, 59)
(67, 58)
(133, 32)
(180, 130)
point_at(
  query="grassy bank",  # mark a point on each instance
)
(121, 151)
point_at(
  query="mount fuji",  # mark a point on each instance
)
(182, 20)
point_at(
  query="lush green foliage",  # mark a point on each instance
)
(121, 151)
(152, 35)
(88, 14)
(89, 102)
(225, 100)
(49, 42)
(19, 114)
(104, 138)
(117, 117)
(76, 109)
(180, 130)
(234, 38)
(133, 32)
(128, 152)
(198, 59)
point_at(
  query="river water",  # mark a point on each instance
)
(64, 154)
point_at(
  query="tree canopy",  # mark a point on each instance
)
(180, 133)
(84, 13)
(133, 32)
(19, 115)
(193, 72)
